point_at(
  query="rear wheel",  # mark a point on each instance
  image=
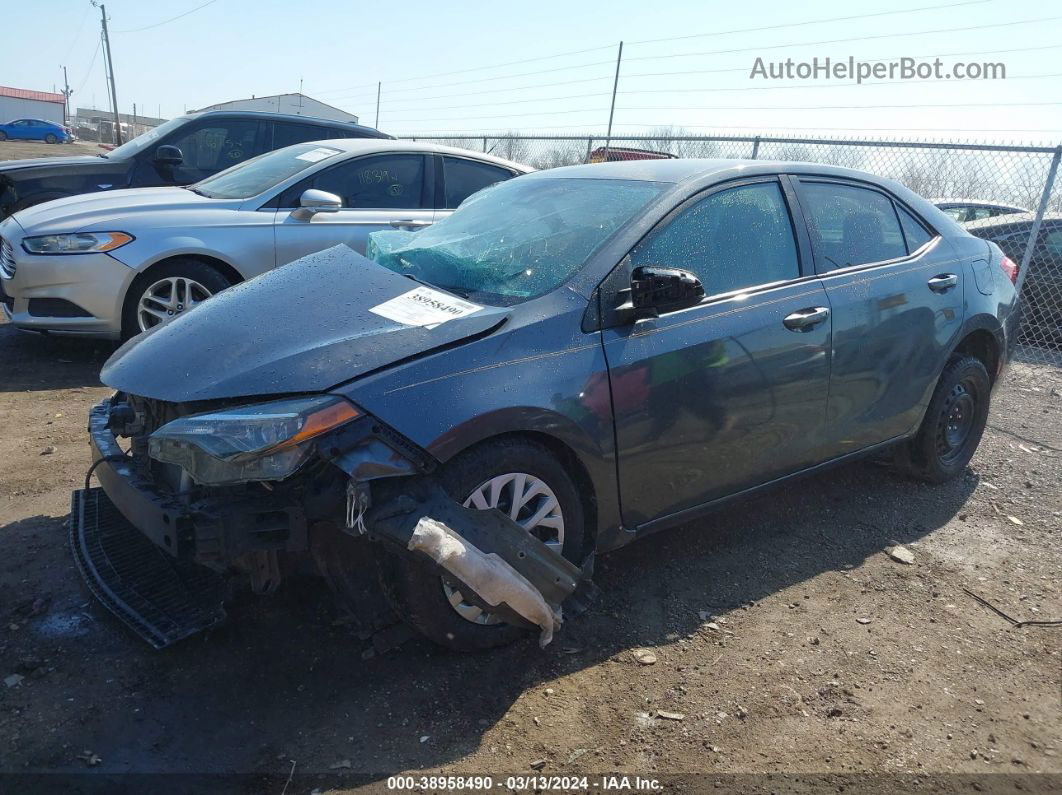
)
(522, 479)
(953, 424)
(167, 291)
(3, 135)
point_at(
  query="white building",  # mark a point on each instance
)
(297, 104)
(22, 103)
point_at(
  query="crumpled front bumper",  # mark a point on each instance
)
(490, 558)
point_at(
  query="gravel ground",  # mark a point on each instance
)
(776, 636)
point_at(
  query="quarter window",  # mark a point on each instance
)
(913, 231)
(1053, 242)
(736, 238)
(852, 225)
(465, 177)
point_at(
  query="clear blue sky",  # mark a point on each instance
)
(443, 65)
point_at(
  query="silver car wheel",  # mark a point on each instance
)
(529, 502)
(168, 297)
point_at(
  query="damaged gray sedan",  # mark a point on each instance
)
(448, 430)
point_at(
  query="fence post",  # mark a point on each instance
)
(755, 147)
(1045, 198)
(484, 144)
(589, 148)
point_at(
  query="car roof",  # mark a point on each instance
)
(685, 169)
(293, 117)
(1011, 219)
(359, 145)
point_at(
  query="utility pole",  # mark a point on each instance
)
(612, 108)
(378, 85)
(66, 98)
(110, 72)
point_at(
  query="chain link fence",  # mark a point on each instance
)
(1017, 186)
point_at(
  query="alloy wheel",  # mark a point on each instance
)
(528, 501)
(168, 297)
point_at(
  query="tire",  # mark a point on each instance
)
(953, 424)
(412, 584)
(210, 281)
(3, 135)
(50, 139)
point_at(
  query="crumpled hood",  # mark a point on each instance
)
(303, 327)
(92, 211)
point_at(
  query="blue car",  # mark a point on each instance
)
(34, 130)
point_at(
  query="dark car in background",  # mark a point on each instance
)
(35, 130)
(965, 210)
(1041, 292)
(612, 154)
(181, 151)
(573, 359)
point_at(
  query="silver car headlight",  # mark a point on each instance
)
(76, 243)
(263, 441)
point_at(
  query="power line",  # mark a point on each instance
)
(488, 79)
(88, 72)
(812, 22)
(77, 34)
(674, 38)
(494, 104)
(167, 21)
(869, 60)
(725, 52)
(480, 68)
(994, 26)
(747, 108)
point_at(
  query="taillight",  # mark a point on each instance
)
(1010, 267)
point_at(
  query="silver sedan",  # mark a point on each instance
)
(116, 263)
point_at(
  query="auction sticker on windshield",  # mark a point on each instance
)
(424, 307)
(314, 155)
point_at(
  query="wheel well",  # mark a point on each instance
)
(982, 345)
(221, 266)
(571, 463)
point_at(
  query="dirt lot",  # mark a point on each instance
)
(784, 636)
(13, 150)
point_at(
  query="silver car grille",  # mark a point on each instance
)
(7, 259)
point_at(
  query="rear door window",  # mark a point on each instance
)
(732, 239)
(851, 225)
(286, 134)
(464, 177)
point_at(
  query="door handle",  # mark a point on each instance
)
(806, 319)
(942, 282)
(398, 223)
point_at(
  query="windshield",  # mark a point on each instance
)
(261, 173)
(517, 240)
(146, 139)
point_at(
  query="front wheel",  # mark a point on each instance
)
(527, 482)
(953, 424)
(50, 139)
(3, 135)
(166, 291)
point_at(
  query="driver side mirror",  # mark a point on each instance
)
(169, 156)
(655, 289)
(314, 201)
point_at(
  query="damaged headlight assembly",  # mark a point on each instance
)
(262, 441)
